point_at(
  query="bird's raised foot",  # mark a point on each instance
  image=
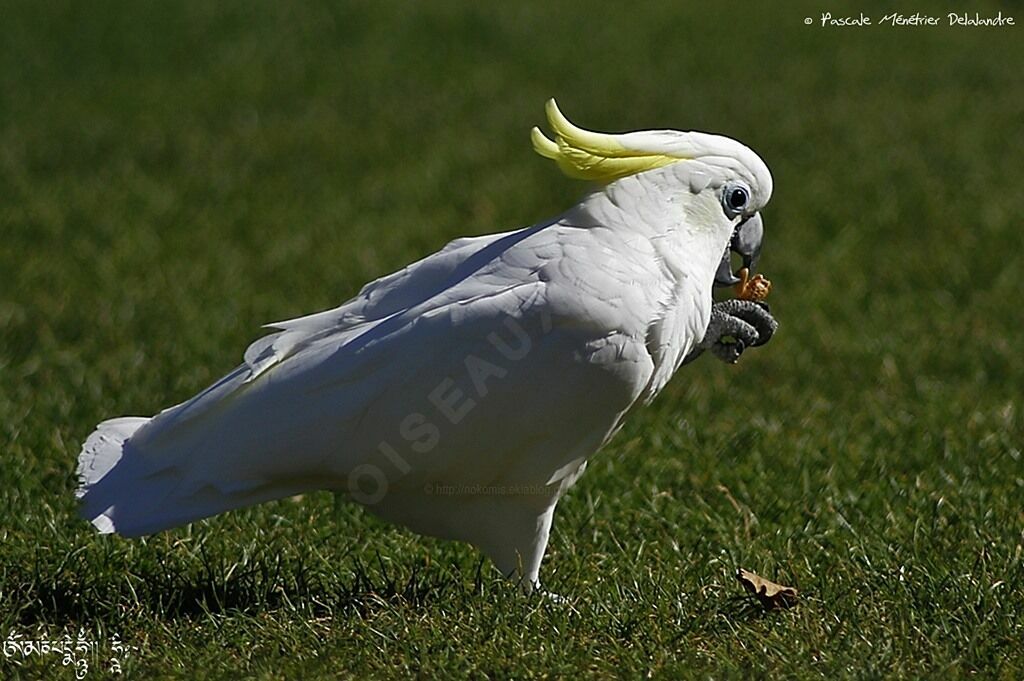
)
(756, 313)
(735, 326)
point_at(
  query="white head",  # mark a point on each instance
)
(707, 166)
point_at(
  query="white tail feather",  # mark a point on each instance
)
(102, 450)
(124, 490)
(100, 453)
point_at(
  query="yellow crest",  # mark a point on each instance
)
(590, 155)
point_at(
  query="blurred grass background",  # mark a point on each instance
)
(174, 175)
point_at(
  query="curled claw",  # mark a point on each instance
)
(728, 335)
(728, 352)
(755, 313)
(735, 326)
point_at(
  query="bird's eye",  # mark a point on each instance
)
(734, 199)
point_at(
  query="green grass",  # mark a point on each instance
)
(174, 175)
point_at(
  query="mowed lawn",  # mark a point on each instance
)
(174, 175)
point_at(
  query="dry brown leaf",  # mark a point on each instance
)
(770, 594)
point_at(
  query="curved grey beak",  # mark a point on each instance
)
(746, 241)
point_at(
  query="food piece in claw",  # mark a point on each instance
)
(756, 288)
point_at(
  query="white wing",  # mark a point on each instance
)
(377, 300)
(500, 360)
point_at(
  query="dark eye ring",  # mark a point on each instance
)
(735, 199)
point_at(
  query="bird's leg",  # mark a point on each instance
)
(517, 545)
(735, 325)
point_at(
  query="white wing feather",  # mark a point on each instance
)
(377, 300)
(365, 384)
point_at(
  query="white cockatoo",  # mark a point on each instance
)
(461, 396)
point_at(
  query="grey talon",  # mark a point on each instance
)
(724, 325)
(764, 322)
(755, 313)
(750, 323)
(728, 352)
